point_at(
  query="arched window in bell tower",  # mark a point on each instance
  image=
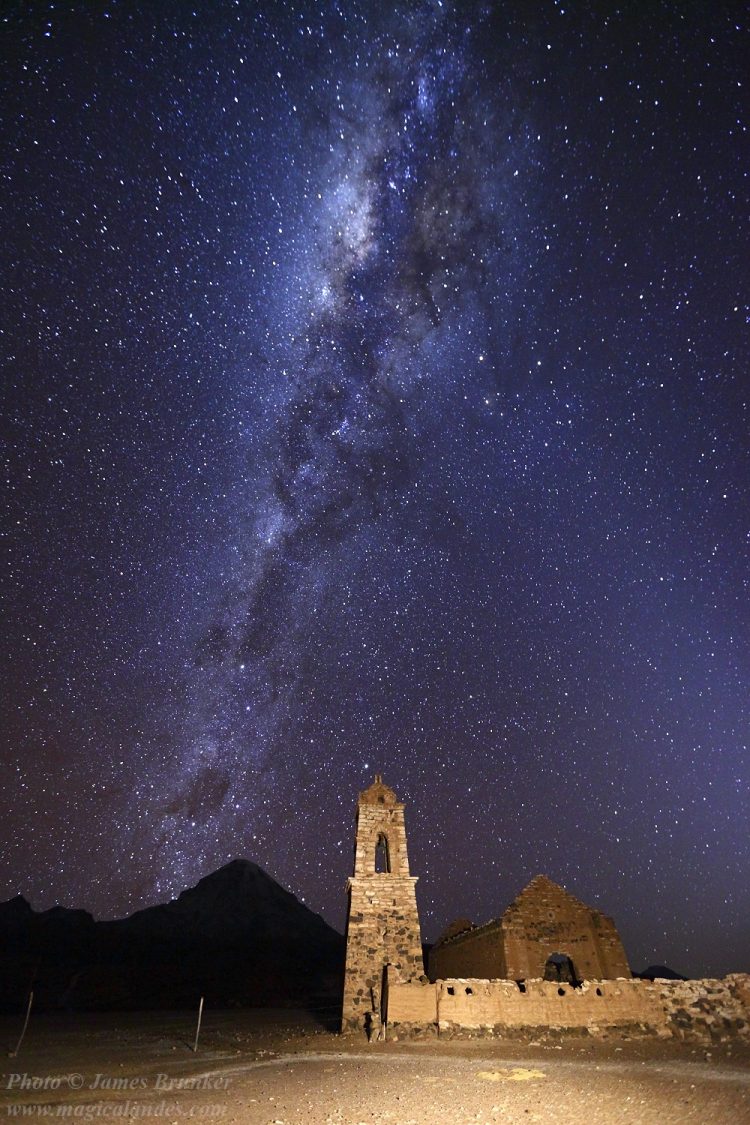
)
(382, 856)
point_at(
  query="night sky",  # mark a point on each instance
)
(375, 398)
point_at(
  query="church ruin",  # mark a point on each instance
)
(549, 961)
(545, 934)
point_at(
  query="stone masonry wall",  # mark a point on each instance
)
(383, 929)
(373, 821)
(382, 922)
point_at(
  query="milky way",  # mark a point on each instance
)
(376, 399)
(406, 239)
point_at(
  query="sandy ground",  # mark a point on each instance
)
(269, 1068)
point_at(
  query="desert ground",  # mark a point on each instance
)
(285, 1068)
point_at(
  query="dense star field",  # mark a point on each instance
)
(376, 399)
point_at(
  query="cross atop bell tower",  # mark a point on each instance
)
(382, 925)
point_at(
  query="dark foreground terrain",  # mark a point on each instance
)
(259, 1068)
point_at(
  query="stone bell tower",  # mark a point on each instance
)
(382, 926)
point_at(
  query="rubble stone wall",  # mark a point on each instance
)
(383, 929)
(707, 1009)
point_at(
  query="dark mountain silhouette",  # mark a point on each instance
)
(662, 971)
(237, 938)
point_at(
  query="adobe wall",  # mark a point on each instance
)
(493, 1004)
(699, 1010)
(478, 952)
(412, 1003)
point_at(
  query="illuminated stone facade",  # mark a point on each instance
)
(382, 923)
(545, 932)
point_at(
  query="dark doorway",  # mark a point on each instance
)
(384, 996)
(560, 969)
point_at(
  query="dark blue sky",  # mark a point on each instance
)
(376, 399)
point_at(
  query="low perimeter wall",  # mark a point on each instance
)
(701, 1009)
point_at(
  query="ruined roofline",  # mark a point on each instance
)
(466, 933)
(545, 880)
(498, 921)
(517, 904)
